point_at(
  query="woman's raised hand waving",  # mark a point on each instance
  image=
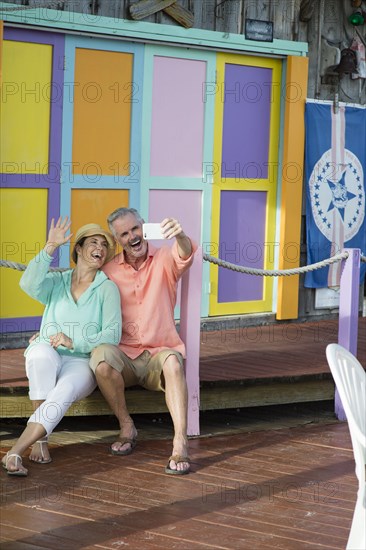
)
(57, 234)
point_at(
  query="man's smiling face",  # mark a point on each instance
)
(128, 233)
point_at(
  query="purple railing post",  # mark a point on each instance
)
(348, 311)
(190, 332)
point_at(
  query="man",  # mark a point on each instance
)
(150, 352)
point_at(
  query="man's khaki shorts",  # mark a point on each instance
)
(146, 370)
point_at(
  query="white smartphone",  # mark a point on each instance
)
(152, 231)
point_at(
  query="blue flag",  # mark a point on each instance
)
(335, 167)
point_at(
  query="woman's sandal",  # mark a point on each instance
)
(19, 473)
(44, 460)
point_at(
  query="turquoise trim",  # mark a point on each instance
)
(177, 183)
(146, 32)
(70, 181)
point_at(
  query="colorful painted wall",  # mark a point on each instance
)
(91, 124)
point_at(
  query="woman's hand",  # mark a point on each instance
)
(34, 337)
(57, 234)
(60, 339)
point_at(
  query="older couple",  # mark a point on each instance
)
(81, 331)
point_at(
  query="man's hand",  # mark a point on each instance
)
(172, 228)
(60, 339)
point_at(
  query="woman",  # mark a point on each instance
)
(82, 311)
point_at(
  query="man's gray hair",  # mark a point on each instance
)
(121, 213)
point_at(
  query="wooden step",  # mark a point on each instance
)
(16, 403)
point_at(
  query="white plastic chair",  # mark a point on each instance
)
(350, 379)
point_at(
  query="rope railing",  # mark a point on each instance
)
(228, 265)
(23, 267)
(276, 272)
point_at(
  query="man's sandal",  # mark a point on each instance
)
(43, 441)
(123, 441)
(177, 459)
(19, 473)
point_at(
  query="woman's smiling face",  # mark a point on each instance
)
(94, 250)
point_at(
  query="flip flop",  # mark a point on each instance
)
(124, 440)
(44, 460)
(18, 473)
(177, 459)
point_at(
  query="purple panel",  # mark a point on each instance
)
(348, 312)
(247, 107)
(242, 231)
(52, 179)
(20, 324)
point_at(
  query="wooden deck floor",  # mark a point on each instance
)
(290, 488)
(246, 353)
(239, 367)
(260, 478)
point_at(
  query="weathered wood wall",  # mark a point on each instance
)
(300, 20)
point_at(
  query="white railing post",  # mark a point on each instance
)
(348, 311)
(190, 332)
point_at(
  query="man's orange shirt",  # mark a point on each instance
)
(148, 299)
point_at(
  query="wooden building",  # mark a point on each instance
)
(180, 113)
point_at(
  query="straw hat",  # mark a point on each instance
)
(89, 230)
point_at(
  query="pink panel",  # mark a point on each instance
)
(184, 206)
(177, 117)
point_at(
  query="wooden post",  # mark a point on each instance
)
(190, 325)
(348, 311)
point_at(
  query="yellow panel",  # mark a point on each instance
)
(1, 51)
(269, 185)
(23, 226)
(95, 205)
(102, 112)
(291, 200)
(25, 113)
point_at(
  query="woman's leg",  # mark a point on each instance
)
(40, 452)
(43, 365)
(75, 381)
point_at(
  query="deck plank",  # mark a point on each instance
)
(281, 488)
(248, 353)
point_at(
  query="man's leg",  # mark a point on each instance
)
(112, 386)
(176, 396)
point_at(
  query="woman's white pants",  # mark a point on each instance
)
(58, 380)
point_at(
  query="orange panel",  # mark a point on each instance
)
(292, 191)
(95, 205)
(102, 112)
